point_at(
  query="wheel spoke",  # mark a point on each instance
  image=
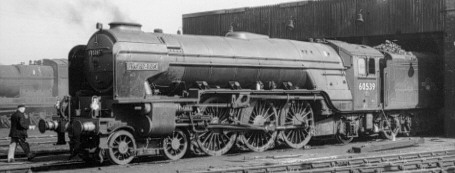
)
(297, 136)
(213, 143)
(220, 141)
(207, 137)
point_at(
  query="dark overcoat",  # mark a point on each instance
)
(19, 125)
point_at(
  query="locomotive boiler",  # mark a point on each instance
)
(136, 93)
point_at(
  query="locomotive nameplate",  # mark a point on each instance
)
(141, 66)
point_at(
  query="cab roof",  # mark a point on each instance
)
(355, 49)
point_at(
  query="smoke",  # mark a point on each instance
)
(82, 10)
(77, 12)
(50, 28)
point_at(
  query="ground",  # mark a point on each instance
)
(38, 142)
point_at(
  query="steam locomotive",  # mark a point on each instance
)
(37, 85)
(136, 93)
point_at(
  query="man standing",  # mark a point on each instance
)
(62, 111)
(18, 133)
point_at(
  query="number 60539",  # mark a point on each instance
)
(367, 86)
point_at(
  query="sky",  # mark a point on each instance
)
(48, 29)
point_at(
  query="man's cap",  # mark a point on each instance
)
(20, 106)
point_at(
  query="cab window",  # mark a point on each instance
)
(362, 66)
(371, 67)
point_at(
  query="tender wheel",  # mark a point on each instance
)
(122, 147)
(216, 142)
(389, 127)
(405, 123)
(301, 114)
(263, 114)
(175, 145)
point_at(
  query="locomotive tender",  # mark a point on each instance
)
(136, 93)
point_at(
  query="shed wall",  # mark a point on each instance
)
(323, 18)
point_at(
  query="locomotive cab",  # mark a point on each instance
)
(363, 74)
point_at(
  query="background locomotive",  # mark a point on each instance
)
(137, 93)
(37, 85)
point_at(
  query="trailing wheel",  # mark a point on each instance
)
(122, 147)
(264, 114)
(342, 138)
(175, 145)
(300, 114)
(389, 127)
(216, 142)
(341, 135)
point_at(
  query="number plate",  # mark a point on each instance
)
(95, 52)
(367, 86)
(141, 66)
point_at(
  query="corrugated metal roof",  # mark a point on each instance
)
(355, 49)
(206, 13)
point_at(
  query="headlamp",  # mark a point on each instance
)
(57, 104)
(96, 104)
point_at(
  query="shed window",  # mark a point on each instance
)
(362, 66)
(371, 66)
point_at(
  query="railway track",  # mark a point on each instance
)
(64, 165)
(438, 161)
(41, 145)
(56, 165)
(32, 140)
(32, 137)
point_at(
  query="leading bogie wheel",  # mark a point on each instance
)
(175, 145)
(122, 147)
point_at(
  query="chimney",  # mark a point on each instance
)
(125, 26)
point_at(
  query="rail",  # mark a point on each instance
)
(437, 160)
